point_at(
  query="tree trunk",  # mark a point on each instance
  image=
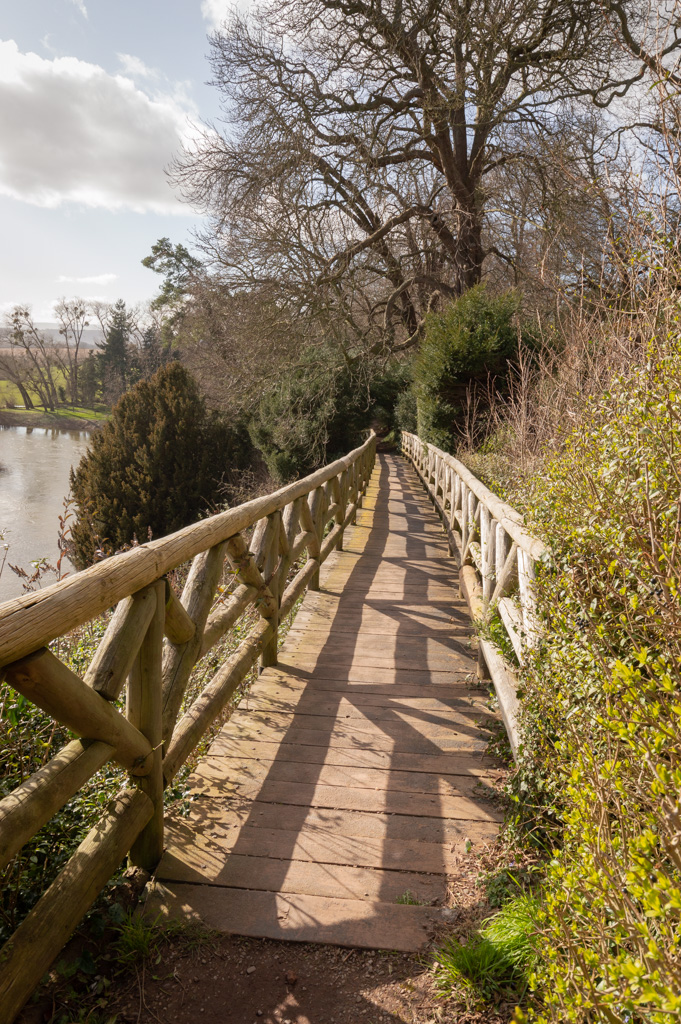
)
(470, 252)
(28, 402)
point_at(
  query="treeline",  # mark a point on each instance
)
(51, 372)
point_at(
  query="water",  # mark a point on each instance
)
(35, 463)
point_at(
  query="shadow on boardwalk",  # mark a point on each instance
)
(347, 786)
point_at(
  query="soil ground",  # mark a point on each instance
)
(249, 981)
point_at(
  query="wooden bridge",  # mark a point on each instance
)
(351, 780)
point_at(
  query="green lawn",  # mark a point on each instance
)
(11, 398)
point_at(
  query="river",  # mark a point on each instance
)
(35, 463)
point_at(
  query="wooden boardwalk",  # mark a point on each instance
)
(354, 772)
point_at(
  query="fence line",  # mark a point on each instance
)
(497, 563)
(153, 642)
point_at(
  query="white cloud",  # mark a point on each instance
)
(81, 7)
(215, 12)
(69, 131)
(136, 68)
(95, 279)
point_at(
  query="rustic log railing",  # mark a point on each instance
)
(149, 740)
(497, 563)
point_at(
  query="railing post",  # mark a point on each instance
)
(487, 538)
(179, 660)
(464, 517)
(528, 601)
(339, 486)
(501, 549)
(268, 655)
(316, 505)
(145, 713)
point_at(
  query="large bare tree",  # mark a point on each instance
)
(369, 147)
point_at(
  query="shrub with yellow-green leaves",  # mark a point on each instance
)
(602, 706)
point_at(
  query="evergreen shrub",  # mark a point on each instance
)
(466, 348)
(154, 467)
(318, 411)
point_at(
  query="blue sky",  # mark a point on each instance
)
(95, 97)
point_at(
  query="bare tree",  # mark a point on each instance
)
(30, 356)
(72, 316)
(368, 145)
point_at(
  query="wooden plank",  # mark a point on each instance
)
(329, 846)
(385, 603)
(344, 735)
(213, 820)
(397, 761)
(296, 918)
(379, 777)
(398, 625)
(423, 649)
(208, 781)
(426, 652)
(404, 729)
(371, 679)
(212, 772)
(314, 702)
(194, 859)
(408, 590)
(395, 711)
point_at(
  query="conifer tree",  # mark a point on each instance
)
(154, 467)
(113, 356)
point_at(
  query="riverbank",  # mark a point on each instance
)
(60, 419)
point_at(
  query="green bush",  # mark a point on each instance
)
(466, 349)
(602, 717)
(319, 410)
(154, 467)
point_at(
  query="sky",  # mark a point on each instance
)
(96, 96)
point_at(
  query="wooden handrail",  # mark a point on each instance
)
(148, 739)
(497, 556)
(36, 619)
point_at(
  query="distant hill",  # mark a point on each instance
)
(91, 335)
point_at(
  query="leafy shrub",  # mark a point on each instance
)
(466, 348)
(154, 467)
(601, 708)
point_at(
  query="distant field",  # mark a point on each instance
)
(9, 394)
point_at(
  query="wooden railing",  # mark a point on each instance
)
(497, 564)
(149, 740)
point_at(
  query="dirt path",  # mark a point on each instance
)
(233, 980)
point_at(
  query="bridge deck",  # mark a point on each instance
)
(353, 774)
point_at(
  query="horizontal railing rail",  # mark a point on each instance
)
(152, 643)
(498, 556)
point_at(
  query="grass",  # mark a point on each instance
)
(497, 959)
(409, 899)
(11, 399)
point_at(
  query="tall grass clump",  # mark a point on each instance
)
(496, 960)
(602, 707)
